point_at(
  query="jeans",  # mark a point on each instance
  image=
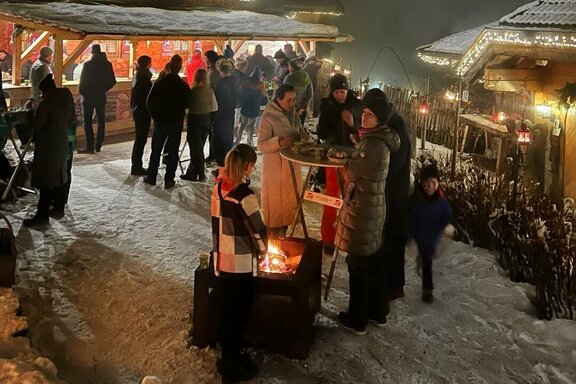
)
(169, 133)
(247, 124)
(198, 129)
(142, 122)
(89, 105)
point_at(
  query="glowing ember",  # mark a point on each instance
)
(275, 261)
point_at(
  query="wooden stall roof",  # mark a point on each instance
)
(485, 123)
(102, 22)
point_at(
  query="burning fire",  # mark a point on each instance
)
(275, 261)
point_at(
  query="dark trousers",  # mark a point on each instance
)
(198, 128)
(367, 293)
(223, 135)
(91, 104)
(236, 295)
(169, 133)
(142, 122)
(303, 116)
(392, 256)
(46, 197)
(426, 257)
(60, 195)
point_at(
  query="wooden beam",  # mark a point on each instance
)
(16, 62)
(133, 57)
(66, 34)
(213, 38)
(58, 59)
(76, 52)
(35, 46)
(238, 45)
(313, 46)
(304, 46)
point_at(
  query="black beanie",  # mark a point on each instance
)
(47, 83)
(380, 108)
(338, 81)
(429, 171)
(374, 93)
(279, 54)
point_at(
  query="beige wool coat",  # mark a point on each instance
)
(278, 199)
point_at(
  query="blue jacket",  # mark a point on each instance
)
(429, 216)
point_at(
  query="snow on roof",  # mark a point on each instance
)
(544, 13)
(457, 43)
(139, 21)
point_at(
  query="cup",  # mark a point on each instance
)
(204, 260)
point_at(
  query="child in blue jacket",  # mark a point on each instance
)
(430, 215)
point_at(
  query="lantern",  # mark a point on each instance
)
(424, 108)
(502, 117)
(524, 135)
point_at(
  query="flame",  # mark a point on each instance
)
(275, 261)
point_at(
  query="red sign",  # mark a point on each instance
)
(334, 202)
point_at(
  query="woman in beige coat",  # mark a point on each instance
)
(279, 128)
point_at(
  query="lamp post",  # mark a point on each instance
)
(455, 145)
(425, 110)
(524, 138)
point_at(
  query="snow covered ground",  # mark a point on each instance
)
(108, 290)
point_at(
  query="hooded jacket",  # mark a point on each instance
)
(303, 87)
(429, 216)
(141, 86)
(331, 127)
(363, 215)
(97, 77)
(192, 66)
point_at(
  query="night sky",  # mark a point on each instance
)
(405, 25)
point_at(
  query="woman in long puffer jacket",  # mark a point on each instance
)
(361, 223)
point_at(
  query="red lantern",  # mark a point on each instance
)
(424, 108)
(524, 135)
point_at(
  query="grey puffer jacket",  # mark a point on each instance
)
(363, 215)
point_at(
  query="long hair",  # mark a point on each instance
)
(200, 78)
(236, 161)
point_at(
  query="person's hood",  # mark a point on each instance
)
(385, 134)
(59, 96)
(277, 110)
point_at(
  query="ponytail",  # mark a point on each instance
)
(236, 161)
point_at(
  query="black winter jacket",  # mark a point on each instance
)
(141, 86)
(97, 77)
(168, 99)
(331, 128)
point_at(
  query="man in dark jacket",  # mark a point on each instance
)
(49, 169)
(281, 67)
(140, 89)
(96, 79)
(394, 236)
(226, 93)
(259, 60)
(340, 116)
(167, 103)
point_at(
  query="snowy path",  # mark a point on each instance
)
(108, 291)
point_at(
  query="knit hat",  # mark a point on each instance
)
(225, 65)
(338, 81)
(95, 48)
(429, 171)
(374, 93)
(279, 54)
(380, 108)
(45, 52)
(296, 63)
(47, 83)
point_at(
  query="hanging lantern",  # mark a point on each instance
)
(502, 117)
(424, 108)
(524, 135)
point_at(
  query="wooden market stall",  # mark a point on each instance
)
(523, 60)
(128, 32)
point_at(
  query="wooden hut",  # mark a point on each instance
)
(127, 32)
(524, 59)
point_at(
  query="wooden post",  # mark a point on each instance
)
(58, 59)
(35, 46)
(304, 46)
(76, 53)
(313, 46)
(16, 53)
(133, 57)
(238, 45)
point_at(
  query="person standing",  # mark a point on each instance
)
(5, 61)
(312, 67)
(251, 93)
(193, 64)
(55, 114)
(39, 70)
(289, 51)
(226, 92)
(303, 87)
(395, 234)
(202, 104)
(279, 128)
(96, 79)
(361, 223)
(141, 86)
(281, 67)
(340, 116)
(210, 58)
(257, 59)
(167, 103)
(239, 238)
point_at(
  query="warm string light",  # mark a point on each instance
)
(442, 61)
(549, 40)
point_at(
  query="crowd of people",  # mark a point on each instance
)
(220, 99)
